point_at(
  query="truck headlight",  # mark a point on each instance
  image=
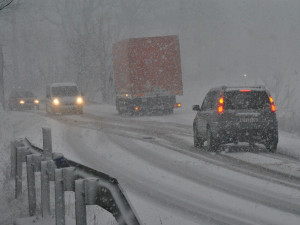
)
(56, 101)
(22, 102)
(79, 100)
(36, 101)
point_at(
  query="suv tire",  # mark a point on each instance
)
(212, 142)
(198, 142)
(271, 146)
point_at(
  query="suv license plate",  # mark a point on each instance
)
(248, 120)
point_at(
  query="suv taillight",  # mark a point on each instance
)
(273, 107)
(221, 105)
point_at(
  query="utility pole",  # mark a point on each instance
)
(3, 4)
(2, 99)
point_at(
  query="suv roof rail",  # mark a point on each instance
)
(224, 87)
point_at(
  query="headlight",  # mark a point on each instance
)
(79, 100)
(36, 101)
(22, 102)
(55, 101)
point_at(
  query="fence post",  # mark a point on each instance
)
(59, 198)
(19, 168)
(80, 208)
(47, 143)
(45, 190)
(31, 185)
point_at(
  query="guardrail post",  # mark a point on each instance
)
(45, 190)
(31, 185)
(80, 208)
(47, 143)
(59, 198)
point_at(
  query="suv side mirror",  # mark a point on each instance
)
(196, 107)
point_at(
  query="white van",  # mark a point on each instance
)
(63, 97)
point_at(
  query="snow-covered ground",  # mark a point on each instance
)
(164, 186)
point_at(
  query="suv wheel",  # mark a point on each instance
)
(272, 140)
(212, 143)
(198, 142)
(271, 146)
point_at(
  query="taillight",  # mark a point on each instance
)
(220, 106)
(273, 107)
(177, 105)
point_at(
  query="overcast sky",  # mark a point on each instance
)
(221, 40)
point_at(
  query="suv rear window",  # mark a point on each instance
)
(245, 100)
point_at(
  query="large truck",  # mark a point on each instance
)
(147, 74)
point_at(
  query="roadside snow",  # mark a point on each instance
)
(97, 145)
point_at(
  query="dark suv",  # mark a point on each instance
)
(236, 114)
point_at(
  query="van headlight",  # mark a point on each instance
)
(56, 101)
(79, 100)
(36, 101)
(22, 102)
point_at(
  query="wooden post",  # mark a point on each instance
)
(47, 143)
(31, 185)
(13, 159)
(45, 190)
(18, 177)
(59, 198)
(80, 208)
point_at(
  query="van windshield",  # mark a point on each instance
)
(245, 100)
(65, 91)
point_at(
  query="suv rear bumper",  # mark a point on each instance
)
(257, 134)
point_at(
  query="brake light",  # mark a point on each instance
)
(221, 100)
(220, 109)
(245, 90)
(220, 106)
(273, 107)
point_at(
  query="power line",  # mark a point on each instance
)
(5, 3)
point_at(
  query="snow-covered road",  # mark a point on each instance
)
(169, 181)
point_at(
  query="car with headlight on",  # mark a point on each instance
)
(22, 99)
(236, 114)
(64, 98)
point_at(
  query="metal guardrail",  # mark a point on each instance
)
(91, 187)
